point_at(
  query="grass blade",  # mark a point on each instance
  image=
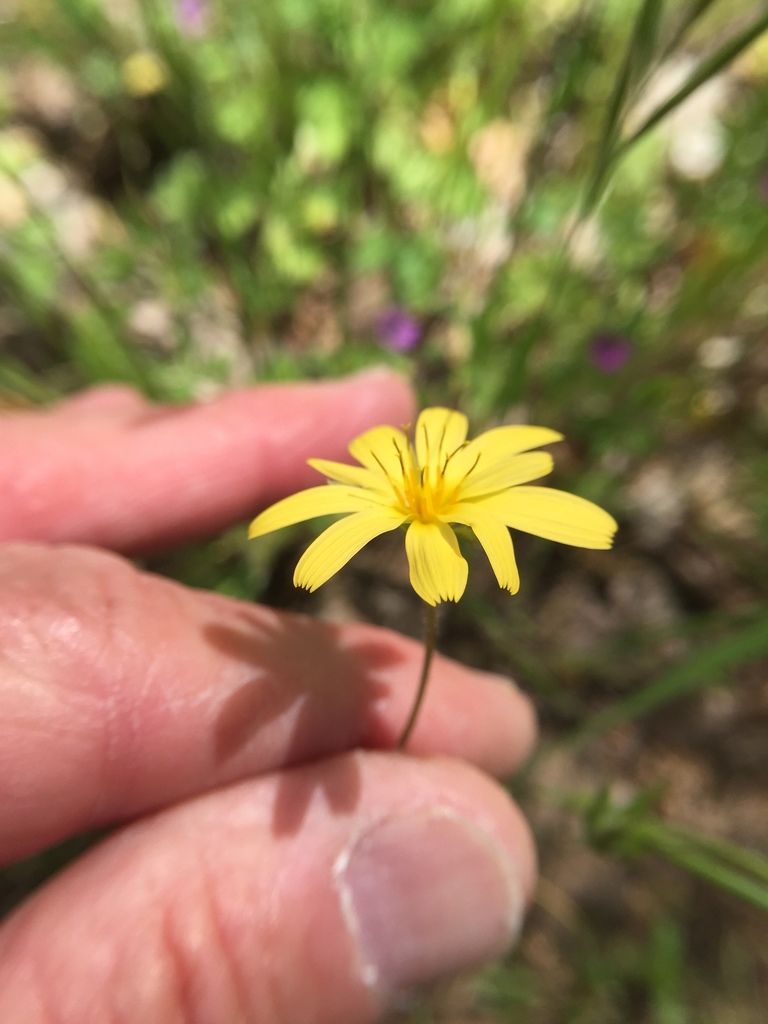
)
(637, 58)
(702, 668)
(706, 70)
(120, 354)
(737, 857)
(695, 10)
(20, 388)
(632, 829)
(687, 852)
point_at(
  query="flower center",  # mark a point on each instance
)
(422, 492)
(422, 496)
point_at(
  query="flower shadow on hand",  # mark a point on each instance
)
(315, 693)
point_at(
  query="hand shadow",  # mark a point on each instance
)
(326, 713)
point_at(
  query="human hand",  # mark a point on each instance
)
(280, 864)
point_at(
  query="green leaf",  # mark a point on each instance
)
(179, 189)
(101, 74)
(374, 249)
(398, 40)
(416, 272)
(239, 118)
(292, 258)
(326, 120)
(238, 212)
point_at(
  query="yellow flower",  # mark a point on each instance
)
(431, 484)
(144, 73)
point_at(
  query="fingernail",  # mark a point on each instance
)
(426, 895)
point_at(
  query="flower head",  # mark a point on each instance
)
(608, 352)
(430, 483)
(144, 73)
(192, 16)
(398, 330)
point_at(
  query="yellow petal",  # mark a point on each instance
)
(554, 515)
(336, 545)
(382, 449)
(356, 476)
(316, 501)
(438, 571)
(518, 469)
(439, 432)
(495, 539)
(494, 448)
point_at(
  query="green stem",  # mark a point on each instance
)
(430, 632)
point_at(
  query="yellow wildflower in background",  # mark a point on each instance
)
(144, 73)
(430, 484)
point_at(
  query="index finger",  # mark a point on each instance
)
(111, 470)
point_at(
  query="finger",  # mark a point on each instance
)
(127, 692)
(394, 872)
(107, 469)
(101, 403)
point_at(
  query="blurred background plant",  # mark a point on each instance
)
(554, 213)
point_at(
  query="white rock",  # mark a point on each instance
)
(720, 352)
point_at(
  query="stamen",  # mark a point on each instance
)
(455, 452)
(392, 483)
(463, 480)
(382, 467)
(426, 441)
(400, 456)
(472, 468)
(442, 436)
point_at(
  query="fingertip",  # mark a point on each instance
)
(388, 386)
(520, 720)
(375, 396)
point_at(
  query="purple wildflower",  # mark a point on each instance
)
(192, 16)
(398, 330)
(608, 352)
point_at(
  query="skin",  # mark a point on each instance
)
(241, 750)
